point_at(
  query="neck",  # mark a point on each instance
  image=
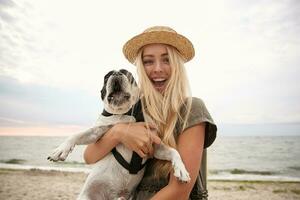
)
(107, 114)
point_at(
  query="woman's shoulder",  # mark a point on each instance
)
(198, 114)
(197, 102)
(198, 108)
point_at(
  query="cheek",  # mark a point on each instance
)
(168, 70)
(148, 70)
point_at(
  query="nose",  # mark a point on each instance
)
(158, 67)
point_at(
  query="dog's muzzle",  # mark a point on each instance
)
(117, 94)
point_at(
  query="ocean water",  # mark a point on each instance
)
(255, 158)
(229, 158)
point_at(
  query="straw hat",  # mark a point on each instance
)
(159, 34)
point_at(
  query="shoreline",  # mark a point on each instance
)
(211, 177)
(37, 184)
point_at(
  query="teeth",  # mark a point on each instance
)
(159, 79)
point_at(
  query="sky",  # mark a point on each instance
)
(54, 54)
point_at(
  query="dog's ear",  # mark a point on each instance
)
(106, 77)
(124, 71)
(103, 90)
(129, 76)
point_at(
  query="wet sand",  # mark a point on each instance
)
(56, 185)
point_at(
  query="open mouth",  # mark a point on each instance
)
(118, 97)
(159, 82)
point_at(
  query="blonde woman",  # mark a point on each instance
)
(183, 122)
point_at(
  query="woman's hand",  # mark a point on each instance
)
(137, 137)
(134, 136)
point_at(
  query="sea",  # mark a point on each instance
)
(254, 158)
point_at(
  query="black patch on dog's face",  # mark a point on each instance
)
(119, 92)
(106, 77)
(129, 76)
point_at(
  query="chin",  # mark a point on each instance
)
(161, 91)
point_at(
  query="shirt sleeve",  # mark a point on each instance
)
(199, 114)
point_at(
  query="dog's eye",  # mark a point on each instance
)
(127, 96)
(131, 80)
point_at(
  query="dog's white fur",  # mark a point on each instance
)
(108, 179)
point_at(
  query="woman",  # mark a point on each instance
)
(159, 54)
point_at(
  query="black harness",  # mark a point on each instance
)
(135, 164)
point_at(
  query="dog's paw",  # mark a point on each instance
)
(180, 171)
(61, 152)
(121, 198)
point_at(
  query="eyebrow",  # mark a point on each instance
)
(150, 55)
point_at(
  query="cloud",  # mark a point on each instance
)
(249, 64)
(7, 121)
(30, 104)
(7, 3)
(6, 17)
(275, 24)
(245, 68)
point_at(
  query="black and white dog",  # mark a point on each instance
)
(117, 175)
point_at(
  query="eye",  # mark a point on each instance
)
(166, 60)
(147, 62)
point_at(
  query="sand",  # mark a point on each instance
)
(38, 184)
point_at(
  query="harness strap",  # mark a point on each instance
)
(135, 164)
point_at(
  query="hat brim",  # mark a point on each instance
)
(181, 43)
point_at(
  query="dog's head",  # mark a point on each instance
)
(119, 92)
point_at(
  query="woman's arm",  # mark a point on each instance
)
(96, 151)
(190, 147)
(134, 136)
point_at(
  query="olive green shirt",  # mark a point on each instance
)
(198, 114)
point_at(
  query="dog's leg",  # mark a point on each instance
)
(86, 137)
(120, 198)
(163, 152)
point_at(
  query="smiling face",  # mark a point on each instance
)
(157, 66)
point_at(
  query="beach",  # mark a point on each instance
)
(37, 184)
(239, 168)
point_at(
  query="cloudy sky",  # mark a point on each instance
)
(54, 54)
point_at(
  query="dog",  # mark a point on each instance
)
(117, 175)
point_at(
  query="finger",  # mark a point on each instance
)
(147, 125)
(147, 148)
(155, 139)
(151, 126)
(144, 149)
(151, 151)
(141, 154)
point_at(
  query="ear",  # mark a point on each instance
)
(124, 71)
(107, 76)
(129, 76)
(103, 92)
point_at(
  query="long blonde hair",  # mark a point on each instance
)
(164, 109)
